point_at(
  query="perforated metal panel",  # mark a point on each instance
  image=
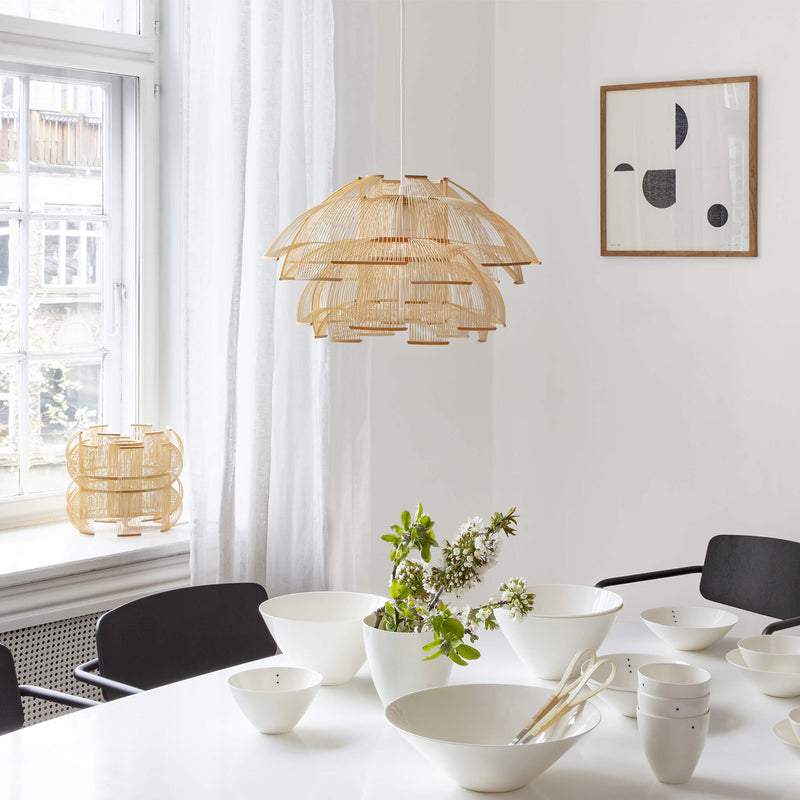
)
(45, 655)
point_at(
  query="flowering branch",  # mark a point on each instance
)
(417, 587)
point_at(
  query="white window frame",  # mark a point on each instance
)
(53, 45)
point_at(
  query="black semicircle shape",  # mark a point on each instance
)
(624, 167)
(681, 126)
(658, 187)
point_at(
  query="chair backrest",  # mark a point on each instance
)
(11, 714)
(181, 633)
(754, 573)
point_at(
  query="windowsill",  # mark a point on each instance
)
(51, 572)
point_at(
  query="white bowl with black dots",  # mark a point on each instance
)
(689, 627)
(621, 693)
(275, 699)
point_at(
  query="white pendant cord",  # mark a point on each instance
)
(402, 86)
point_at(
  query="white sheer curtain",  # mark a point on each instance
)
(258, 136)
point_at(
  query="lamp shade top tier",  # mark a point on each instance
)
(384, 256)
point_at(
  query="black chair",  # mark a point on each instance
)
(754, 573)
(177, 634)
(12, 716)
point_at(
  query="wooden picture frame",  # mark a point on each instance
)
(679, 168)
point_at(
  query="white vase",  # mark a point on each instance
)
(395, 660)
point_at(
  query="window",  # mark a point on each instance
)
(108, 15)
(77, 242)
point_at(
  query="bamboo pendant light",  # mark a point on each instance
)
(418, 256)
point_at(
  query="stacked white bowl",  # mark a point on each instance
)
(673, 713)
(771, 662)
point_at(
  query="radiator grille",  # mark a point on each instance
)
(46, 654)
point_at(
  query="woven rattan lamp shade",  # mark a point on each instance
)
(418, 256)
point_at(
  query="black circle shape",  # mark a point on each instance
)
(717, 215)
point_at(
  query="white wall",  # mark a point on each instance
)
(655, 399)
(430, 407)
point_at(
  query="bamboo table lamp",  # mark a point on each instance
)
(129, 481)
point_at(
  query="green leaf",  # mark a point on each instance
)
(470, 653)
(452, 629)
(437, 654)
(389, 537)
(405, 518)
(398, 591)
(425, 552)
(454, 656)
(419, 511)
(430, 645)
(426, 520)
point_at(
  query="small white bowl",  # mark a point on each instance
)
(794, 721)
(464, 730)
(784, 732)
(672, 706)
(674, 681)
(566, 618)
(775, 684)
(321, 630)
(621, 693)
(689, 627)
(274, 699)
(774, 653)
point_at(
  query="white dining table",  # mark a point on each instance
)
(189, 740)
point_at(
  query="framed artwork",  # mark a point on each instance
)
(679, 169)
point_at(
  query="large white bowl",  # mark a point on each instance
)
(689, 627)
(321, 630)
(465, 730)
(774, 653)
(566, 618)
(775, 684)
(621, 693)
(274, 699)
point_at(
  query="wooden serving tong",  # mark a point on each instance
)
(567, 696)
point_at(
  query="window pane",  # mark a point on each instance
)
(9, 255)
(9, 119)
(9, 474)
(9, 286)
(66, 133)
(65, 311)
(109, 15)
(64, 398)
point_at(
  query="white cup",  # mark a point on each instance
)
(673, 680)
(673, 706)
(673, 745)
(794, 720)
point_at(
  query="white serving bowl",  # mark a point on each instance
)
(566, 618)
(783, 731)
(621, 693)
(673, 680)
(775, 684)
(321, 630)
(464, 730)
(672, 706)
(689, 627)
(774, 653)
(274, 699)
(794, 721)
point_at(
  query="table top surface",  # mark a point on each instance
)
(190, 740)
